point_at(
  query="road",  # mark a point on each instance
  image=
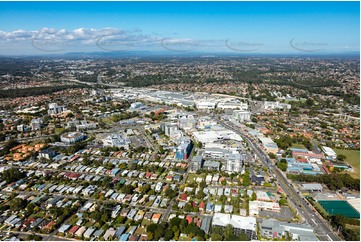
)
(57, 238)
(94, 83)
(29, 139)
(322, 228)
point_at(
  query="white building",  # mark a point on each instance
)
(22, 128)
(56, 109)
(269, 145)
(232, 103)
(72, 137)
(206, 104)
(242, 115)
(329, 152)
(240, 224)
(267, 105)
(169, 129)
(256, 206)
(36, 123)
(116, 140)
(234, 163)
(187, 122)
(136, 105)
(85, 125)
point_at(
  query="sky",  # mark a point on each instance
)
(212, 27)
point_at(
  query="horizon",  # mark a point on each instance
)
(180, 28)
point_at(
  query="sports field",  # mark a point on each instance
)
(353, 159)
(340, 208)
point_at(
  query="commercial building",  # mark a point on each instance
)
(219, 133)
(312, 187)
(197, 163)
(273, 229)
(184, 148)
(36, 123)
(242, 115)
(169, 128)
(56, 109)
(330, 153)
(269, 145)
(234, 162)
(85, 125)
(72, 137)
(206, 104)
(256, 206)
(116, 140)
(211, 165)
(187, 122)
(248, 225)
(267, 105)
(232, 103)
(47, 154)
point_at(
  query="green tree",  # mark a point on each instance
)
(216, 234)
(254, 196)
(183, 224)
(242, 237)
(341, 157)
(283, 201)
(246, 179)
(272, 156)
(168, 235)
(200, 195)
(202, 185)
(282, 165)
(151, 228)
(175, 222)
(223, 198)
(159, 233)
(12, 175)
(17, 204)
(105, 217)
(228, 232)
(309, 102)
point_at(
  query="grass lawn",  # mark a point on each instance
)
(73, 221)
(320, 209)
(59, 130)
(146, 222)
(244, 205)
(192, 177)
(355, 227)
(298, 146)
(38, 215)
(88, 224)
(353, 159)
(107, 120)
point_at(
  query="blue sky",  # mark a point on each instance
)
(260, 27)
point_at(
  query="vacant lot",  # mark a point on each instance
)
(353, 158)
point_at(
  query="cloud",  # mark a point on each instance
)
(80, 35)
